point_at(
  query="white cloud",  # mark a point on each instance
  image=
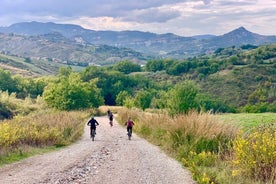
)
(183, 17)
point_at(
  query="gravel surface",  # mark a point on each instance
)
(111, 158)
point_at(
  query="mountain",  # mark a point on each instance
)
(57, 48)
(38, 28)
(239, 37)
(156, 45)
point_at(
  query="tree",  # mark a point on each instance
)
(28, 60)
(65, 71)
(182, 98)
(154, 65)
(142, 99)
(71, 93)
(121, 97)
(127, 67)
(6, 81)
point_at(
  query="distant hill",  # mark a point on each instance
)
(157, 45)
(57, 48)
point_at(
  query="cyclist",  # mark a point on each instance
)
(129, 125)
(109, 112)
(111, 119)
(92, 123)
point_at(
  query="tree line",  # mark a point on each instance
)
(162, 83)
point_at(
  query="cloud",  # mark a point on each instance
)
(183, 17)
(151, 15)
(90, 8)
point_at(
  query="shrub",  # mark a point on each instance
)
(38, 130)
(255, 153)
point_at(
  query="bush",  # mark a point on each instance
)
(255, 153)
(38, 130)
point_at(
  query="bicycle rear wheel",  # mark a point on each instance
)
(93, 134)
(129, 134)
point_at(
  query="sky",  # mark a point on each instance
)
(181, 17)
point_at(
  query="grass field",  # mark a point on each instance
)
(248, 120)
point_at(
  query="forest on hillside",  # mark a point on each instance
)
(229, 80)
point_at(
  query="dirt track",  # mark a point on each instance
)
(111, 158)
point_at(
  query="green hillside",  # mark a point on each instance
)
(231, 79)
(31, 66)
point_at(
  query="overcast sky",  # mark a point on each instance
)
(182, 17)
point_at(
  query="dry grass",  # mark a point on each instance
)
(46, 128)
(202, 125)
(114, 109)
(198, 140)
(197, 124)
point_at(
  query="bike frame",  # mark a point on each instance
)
(93, 134)
(129, 133)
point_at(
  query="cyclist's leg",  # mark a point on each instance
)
(127, 130)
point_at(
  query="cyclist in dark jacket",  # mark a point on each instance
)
(92, 123)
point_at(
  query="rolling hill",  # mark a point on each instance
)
(156, 45)
(57, 48)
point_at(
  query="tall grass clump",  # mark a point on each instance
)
(47, 128)
(255, 154)
(11, 106)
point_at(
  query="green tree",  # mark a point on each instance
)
(6, 82)
(121, 97)
(182, 98)
(142, 99)
(154, 65)
(129, 102)
(28, 60)
(127, 67)
(71, 93)
(65, 71)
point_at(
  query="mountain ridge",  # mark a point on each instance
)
(155, 45)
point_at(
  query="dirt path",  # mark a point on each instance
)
(111, 158)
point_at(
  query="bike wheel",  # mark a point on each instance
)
(129, 135)
(93, 135)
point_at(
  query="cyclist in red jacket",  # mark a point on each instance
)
(129, 125)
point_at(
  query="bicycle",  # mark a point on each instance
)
(129, 133)
(93, 133)
(92, 123)
(111, 123)
(111, 119)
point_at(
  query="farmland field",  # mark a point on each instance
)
(248, 120)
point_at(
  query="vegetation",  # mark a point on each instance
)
(70, 93)
(33, 127)
(255, 155)
(185, 95)
(213, 150)
(229, 80)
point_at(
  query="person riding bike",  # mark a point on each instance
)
(92, 123)
(111, 119)
(129, 125)
(109, 112)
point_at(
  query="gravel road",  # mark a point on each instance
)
(111, 158)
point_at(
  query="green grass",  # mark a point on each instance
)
(248, 120)
(25, 153)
